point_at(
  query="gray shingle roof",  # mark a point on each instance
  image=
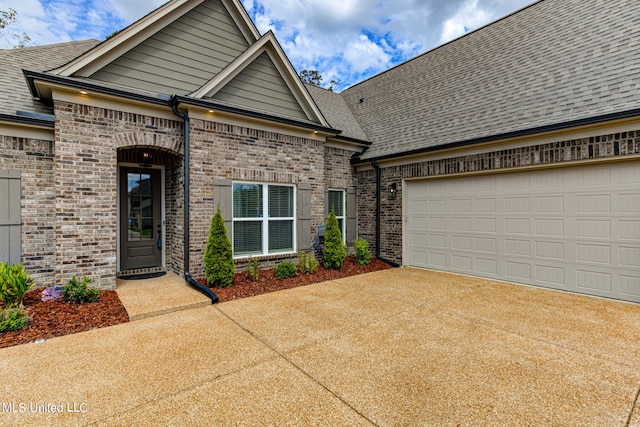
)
(336, 112)
(14, 92)
(553, 62)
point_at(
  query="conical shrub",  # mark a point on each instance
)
(218, 257)
(334, 250)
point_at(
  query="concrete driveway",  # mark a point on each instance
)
(397, 347)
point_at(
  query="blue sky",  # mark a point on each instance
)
(346, 40)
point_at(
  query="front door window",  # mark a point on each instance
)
(140, 213)
(141, 239)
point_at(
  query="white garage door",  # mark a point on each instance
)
(576, 229)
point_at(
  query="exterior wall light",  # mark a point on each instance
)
(393, 190)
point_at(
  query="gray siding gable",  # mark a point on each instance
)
(261, 87)
(182, 56)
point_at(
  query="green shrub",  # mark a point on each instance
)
(363, 255)
(14, 282)
(253, 269)
(79, 292)
(218, 257)
(285, 269)
(13, 319)
(307, 263)
(334, 250)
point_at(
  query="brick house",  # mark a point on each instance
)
(510, 153)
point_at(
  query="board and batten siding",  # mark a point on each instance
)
(260, 86)
(181, 57)
(10, 246)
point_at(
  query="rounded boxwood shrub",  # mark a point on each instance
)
(218, 257)
(285, 270)
(13, 319)
(334, 250)
(79, 292)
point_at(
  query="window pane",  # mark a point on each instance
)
(336, 201)
(247, 237)
(280, 202)
(340, 224)
(147, 228)
(280, 236)
(247, 201)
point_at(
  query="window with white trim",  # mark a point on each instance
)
(263, 219)
(337, 203)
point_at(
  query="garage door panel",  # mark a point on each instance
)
(549, 227)
(486, 206)
(518, 226)
(593, 229)
(550, 250)
(461, 243)
(593, 280)
(514, 247)
(600, 177)
(461, 225)
(437, 260)
(552, 276)
(630, 230)
(437, 207)
(486, 225)
(487, 266)
(593, 204)
(486, 245)
(630, 285)
(462, 263)
(548, 180)
(549, 205)
(518, 271)
(514, 205)
(629, 256)
(630, 203)
(596, 254)
(576, 229)
(437, 224)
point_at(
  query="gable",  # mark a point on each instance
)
(260, 87)
(182, 56)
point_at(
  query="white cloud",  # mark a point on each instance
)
(346, 40)
(363, 55)
(469, 17)
(131, 11)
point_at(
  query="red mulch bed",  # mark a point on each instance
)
(244, 287)
(55, 318)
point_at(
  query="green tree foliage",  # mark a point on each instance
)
(313, 77)
(334, 250)
(7, 18)
(218, 257)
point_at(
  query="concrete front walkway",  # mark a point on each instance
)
(397, 347)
